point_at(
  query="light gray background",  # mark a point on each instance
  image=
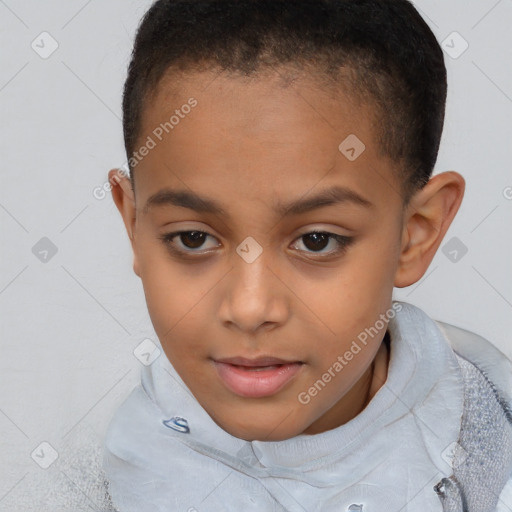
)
(69, 325)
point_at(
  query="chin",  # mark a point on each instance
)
(262, 434)
(264, 431)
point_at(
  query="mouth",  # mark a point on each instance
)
(255, 378)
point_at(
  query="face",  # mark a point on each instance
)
(265, 249)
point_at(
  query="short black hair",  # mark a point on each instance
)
(383, 51)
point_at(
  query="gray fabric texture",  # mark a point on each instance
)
(483, 458)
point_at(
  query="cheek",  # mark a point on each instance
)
(177, 299)
(353, 300)
(374, 264)
(168, 297)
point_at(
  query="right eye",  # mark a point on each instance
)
(189, 240)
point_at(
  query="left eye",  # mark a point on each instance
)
(314, 242)
(318, 240)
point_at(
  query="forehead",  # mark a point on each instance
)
(276, 133)
(267, 94)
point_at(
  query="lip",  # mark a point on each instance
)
(255, 378)
(258, 361)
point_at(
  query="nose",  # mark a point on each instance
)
(254, 298)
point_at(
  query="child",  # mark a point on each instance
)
(280, 157)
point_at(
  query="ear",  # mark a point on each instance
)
(124, 198)
(426, 220)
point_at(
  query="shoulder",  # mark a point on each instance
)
(483, 354)
(486, 430)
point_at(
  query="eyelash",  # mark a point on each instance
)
(343, 241)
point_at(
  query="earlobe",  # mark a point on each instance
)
(124, 199)
(428, 217)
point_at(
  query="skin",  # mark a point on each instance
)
(250, 144)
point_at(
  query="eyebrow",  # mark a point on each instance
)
(200, 204)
